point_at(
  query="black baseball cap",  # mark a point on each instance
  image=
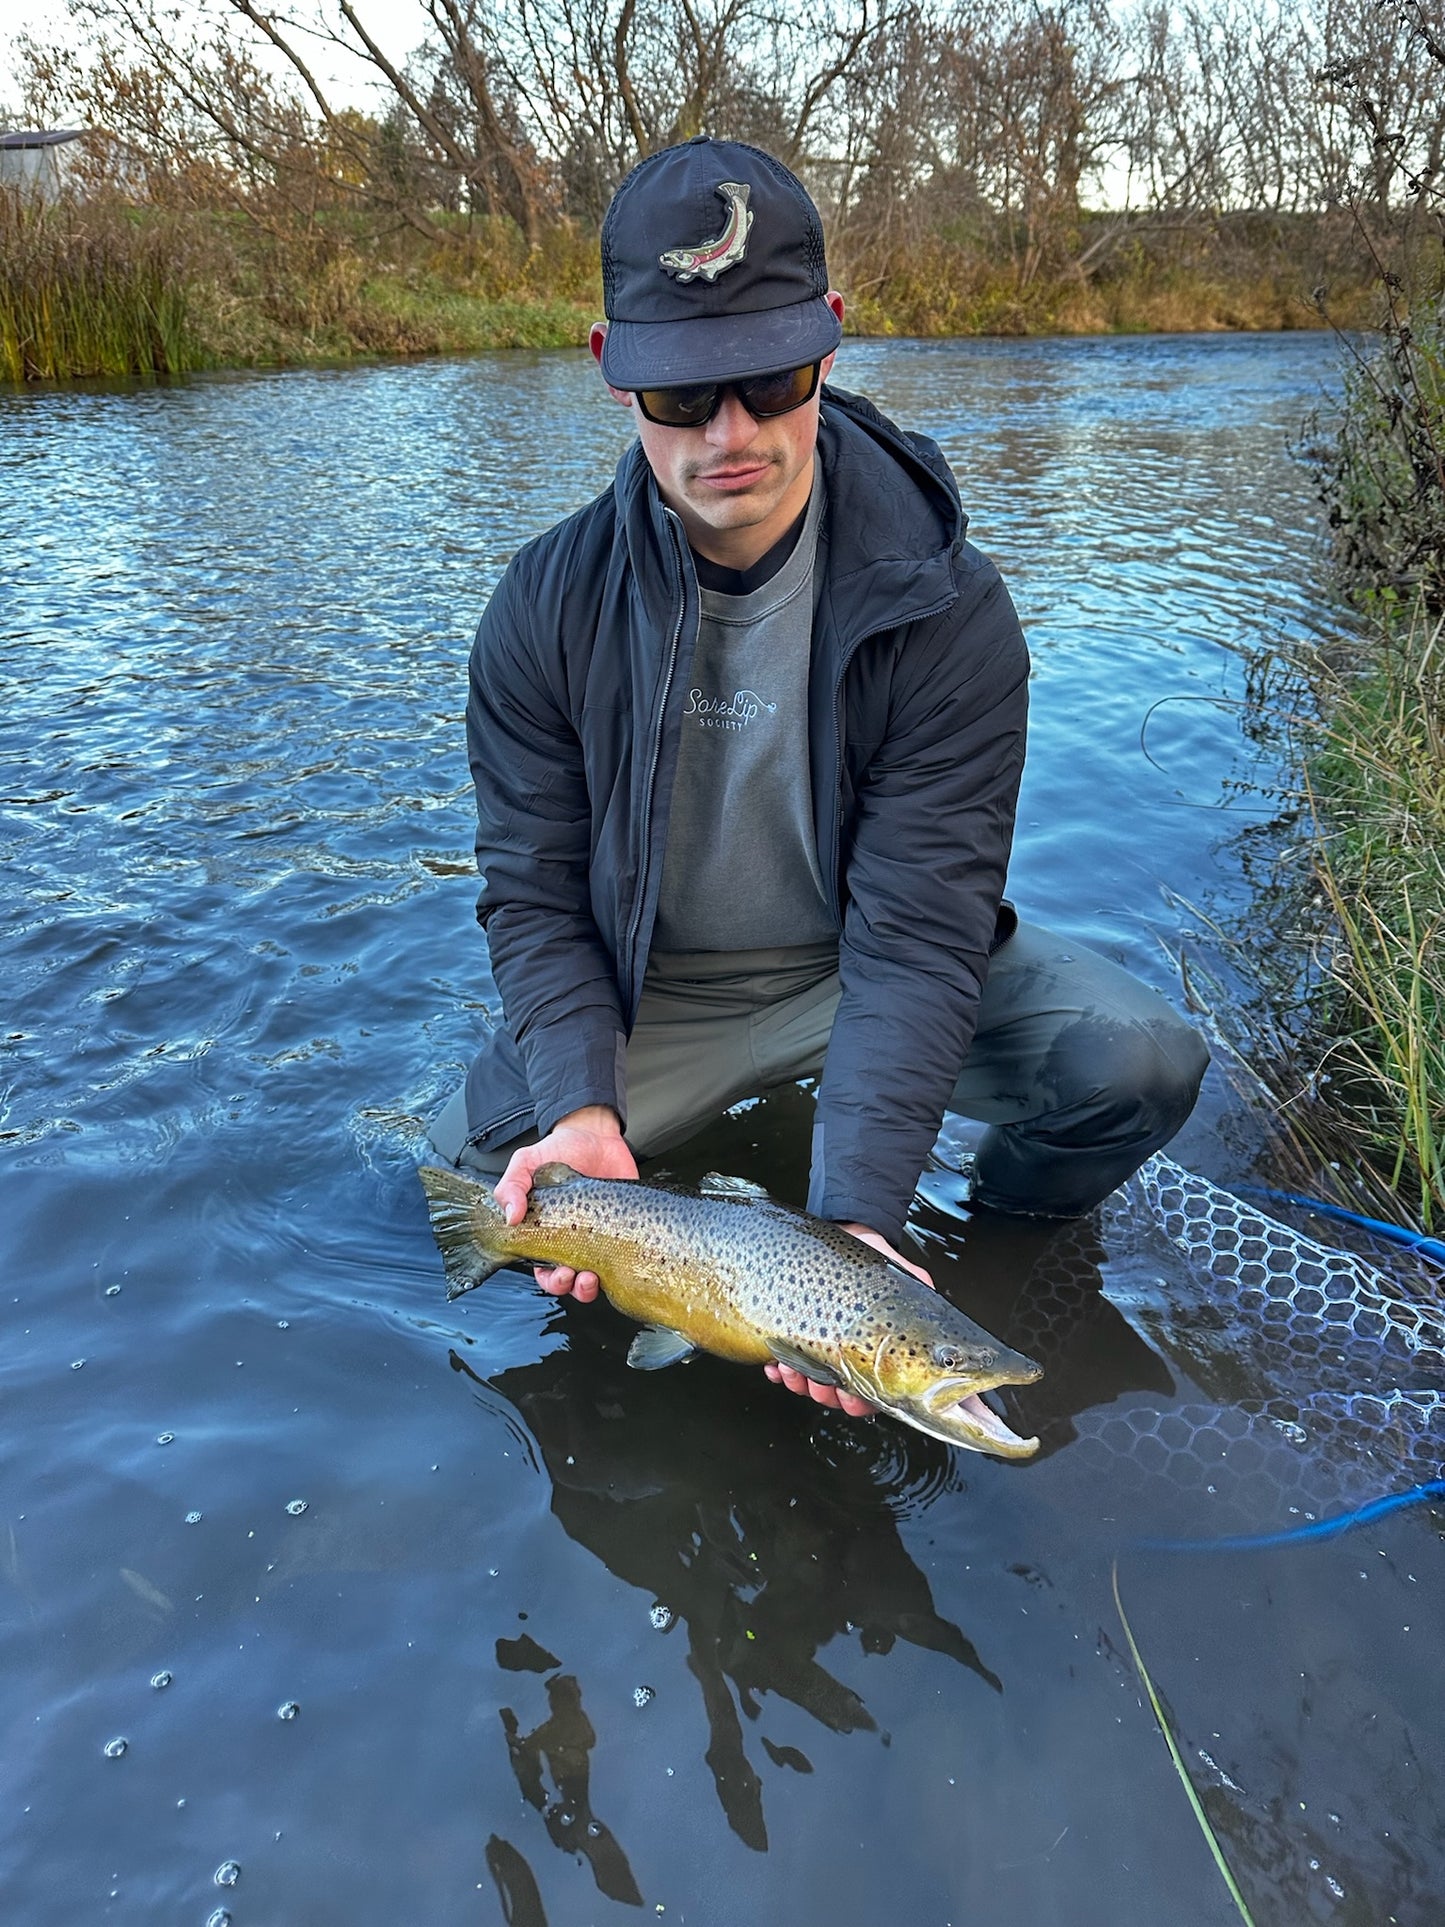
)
(712, 269)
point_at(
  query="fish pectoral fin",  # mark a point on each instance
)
(554, 1173)
(797, 1361)
(715, 1184)
(656, 1346)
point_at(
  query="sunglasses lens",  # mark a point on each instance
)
(777, 394)
(679, 407)
(762, 396)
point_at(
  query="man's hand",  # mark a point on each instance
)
(591, 1141)
(830, 1395)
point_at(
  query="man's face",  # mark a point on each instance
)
(737, 483)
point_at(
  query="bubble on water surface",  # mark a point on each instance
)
(161, 1679)
(283, 1324)
(112, 1291)
(220, 1918)
(662, 1616)
(193, 1518)
(113, 1749)
(76, 1363)
(165, 1438)
(642, 1694)
(287, 1710)
(228, 1873)
(296, 1507)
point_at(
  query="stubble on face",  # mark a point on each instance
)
(735, 501)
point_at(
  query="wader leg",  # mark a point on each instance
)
(1079, 1070)
(696, 1049)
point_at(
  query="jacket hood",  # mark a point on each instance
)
(893, 516)
(895, 520)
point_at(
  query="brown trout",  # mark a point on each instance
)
(727, 1269)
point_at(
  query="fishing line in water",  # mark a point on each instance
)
(1222, 804)
(1332, 1528)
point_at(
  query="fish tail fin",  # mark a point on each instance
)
(461, 1208)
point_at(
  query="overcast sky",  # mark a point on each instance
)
(397, 25)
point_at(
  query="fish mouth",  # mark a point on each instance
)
(956, 1412)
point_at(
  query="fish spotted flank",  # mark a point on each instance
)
(726, 1269)
(711, 258)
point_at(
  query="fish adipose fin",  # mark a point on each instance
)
(657, 1346)
(452, 1201)
(554, 1173)
(798, 1361)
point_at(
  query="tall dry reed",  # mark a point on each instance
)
(89, 287)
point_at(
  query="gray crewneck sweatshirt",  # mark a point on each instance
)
(741, 866)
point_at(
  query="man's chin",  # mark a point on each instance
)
(741, 508)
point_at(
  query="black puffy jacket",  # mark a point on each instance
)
(917, 707)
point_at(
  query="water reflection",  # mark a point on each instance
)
(761, 1538)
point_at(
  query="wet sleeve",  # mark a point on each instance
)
(552, 970)
(924, 879)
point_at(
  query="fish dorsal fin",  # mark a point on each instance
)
(555, 1173)
(797, 1361)
(656, 1346)
(715, 1184)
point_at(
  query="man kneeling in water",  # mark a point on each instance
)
(747, 733)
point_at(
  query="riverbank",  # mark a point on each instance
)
(1363, 1082)
(101, 288)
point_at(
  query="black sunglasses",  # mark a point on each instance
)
(762, 395)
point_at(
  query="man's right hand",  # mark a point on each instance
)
(591, 1141)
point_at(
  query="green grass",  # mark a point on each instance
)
(1375, 775)
(92, 292)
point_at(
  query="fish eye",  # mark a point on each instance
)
(948, 1356)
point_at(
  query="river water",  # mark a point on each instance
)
(322, 1602)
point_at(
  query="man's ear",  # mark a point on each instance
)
(835, 302)
(594, 341)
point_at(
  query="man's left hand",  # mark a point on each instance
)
(831, 1395)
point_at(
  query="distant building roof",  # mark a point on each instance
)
(41, 137)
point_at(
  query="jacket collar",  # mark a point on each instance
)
(892, 521)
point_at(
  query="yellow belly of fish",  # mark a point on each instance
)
(654, 1288)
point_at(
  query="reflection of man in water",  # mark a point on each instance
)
(761, 1543)
(746, 734)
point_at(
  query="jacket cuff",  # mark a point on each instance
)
(594, 1073)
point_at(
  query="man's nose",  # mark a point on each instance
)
(732, 427)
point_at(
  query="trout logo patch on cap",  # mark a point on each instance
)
(709, 259)
(734, 292)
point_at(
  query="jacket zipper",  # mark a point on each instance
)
(499, 1127)
(646, 855)
(880, 629)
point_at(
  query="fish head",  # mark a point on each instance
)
(932, 1371)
